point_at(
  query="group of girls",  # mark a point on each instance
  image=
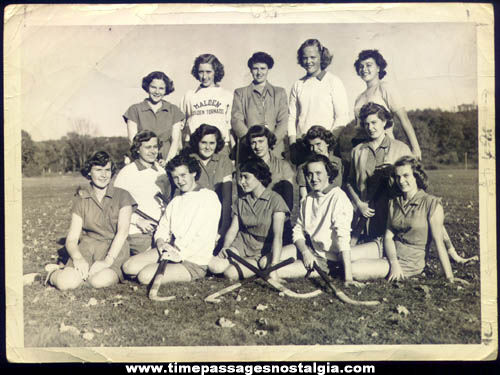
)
(174, 200)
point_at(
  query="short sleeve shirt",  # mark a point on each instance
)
(160, 122)
(410, 225)
(213, 173)
(255, 217)
(280, 170)
(100, 219)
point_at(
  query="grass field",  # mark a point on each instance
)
(123, 316)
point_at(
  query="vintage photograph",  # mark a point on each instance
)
(242, 178)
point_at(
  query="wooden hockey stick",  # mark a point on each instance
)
(340, 294)
(214, 298)
(274, 283)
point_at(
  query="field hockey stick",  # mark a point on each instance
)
(214, 298)
(340, 294)
(274, 283)
(146, 216)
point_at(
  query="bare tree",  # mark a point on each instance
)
(79, 143)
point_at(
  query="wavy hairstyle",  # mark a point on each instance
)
(200, 132)
(375, 55)
(169, 84)
(381, 112)
(331, 170)
(416, 167)
(261, 57)
(326, 56)
(258, 168)
(318, 131)
(191, 163)
(261, 131)
(208, 58)
(100, 158)
(139, 139)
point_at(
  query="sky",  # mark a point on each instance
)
(95, 72)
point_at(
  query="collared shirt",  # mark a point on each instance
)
(320, 100)
(337, 181)
(143, 184)
(410, 224)
(365, 160)
(216, 171)
(325, 220)
(191, 220)
(268, 107)
(281, 170)
(100, 219)
(160, 122)
(255, 218)
(208, 105)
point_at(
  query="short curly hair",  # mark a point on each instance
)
(374, 108)
(318, 131)
(139, 139)
(331, 170)
(169, 84)
(261, 57)
(208, 58)
(375, 55)
(261, 131)
(200, 132)
(258, 168)
(191, 163)
(416, 167)
(326, 56)
(100, 158)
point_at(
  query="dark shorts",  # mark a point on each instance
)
(93, 250)
(139, 243)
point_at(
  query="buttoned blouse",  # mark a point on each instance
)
(253, 107)
(160, 122)
(410, 225)
(255, 218)
(100, 219)
(213, 173)
(281, 170)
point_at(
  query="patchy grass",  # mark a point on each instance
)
(123, 316)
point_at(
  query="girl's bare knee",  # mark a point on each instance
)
(146, 275)
(131, 267)
(103, 279)
(218, 265)
(66, 279)
(231, 273)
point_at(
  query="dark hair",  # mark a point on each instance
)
(258, 168)
(416, 167)
(372, 109)
(191, 163)
(208, 59)
(100, 158)
(375, 55)
(261, 131)
(331, 170)
(318, 131)
(139, 139)
(326, 56)
(261, 57)
(169, 84)
(200, 132)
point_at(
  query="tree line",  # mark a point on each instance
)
(444, 136)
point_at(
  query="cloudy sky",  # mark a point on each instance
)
(95, 72)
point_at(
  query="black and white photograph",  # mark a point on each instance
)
(240, 182)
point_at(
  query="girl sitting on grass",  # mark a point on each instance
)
(256, 230)
(97, 237)
(415, 219)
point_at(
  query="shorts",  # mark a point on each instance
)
(195, 270)
(93, 250)
(139, 243)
